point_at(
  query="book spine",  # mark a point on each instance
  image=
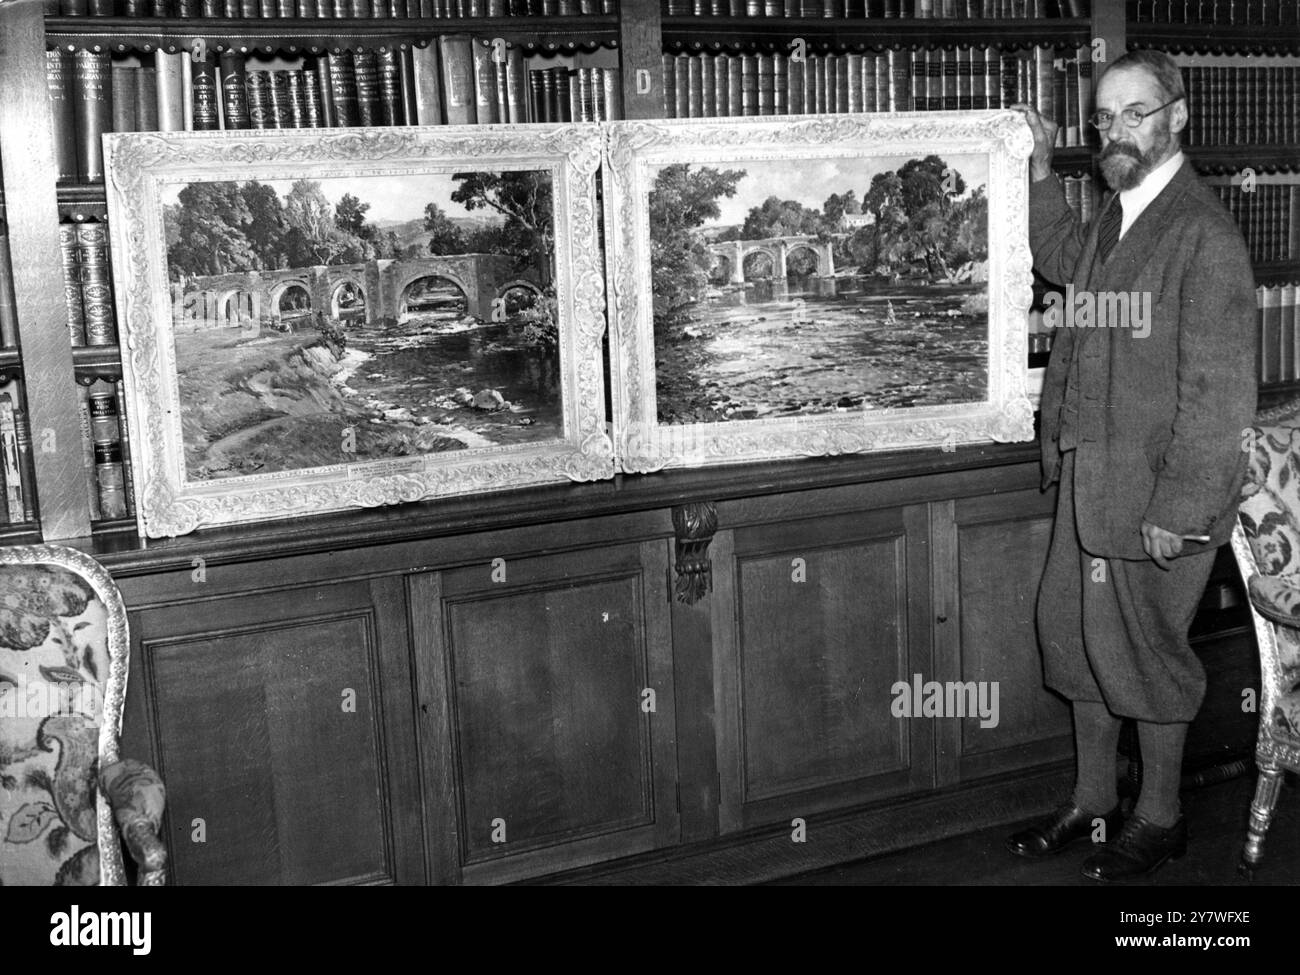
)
(13, 478)
(277, 99)
(563, 108)
(708, 85)
(900, 81)
(457, 56)
(695, 85)
(313, 107)
(612, 82)
(93, 110)
(485, 84)
(391, 109)
(735, 86)
(428, 85)
(366, 66)
(71, 261)
(406, 82)
(934, 79)
(128, 472)
(58, 82)
(108, 455)
(749, 104)
(203, 89)
(257, 87)
(965, 89)
(297, 98)
(325, 93)
(88, 452)
(796, 84)
(950, 77)
(171, 91)
(343, 88)
(234, 90)
(124, 110)
(855, 89)
(516, 86)
(96, 293)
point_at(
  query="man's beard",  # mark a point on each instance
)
(1123, 166)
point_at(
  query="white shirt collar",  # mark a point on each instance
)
(1137, 199)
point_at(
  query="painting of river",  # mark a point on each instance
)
(817, 346)
(786, 288)
(357, 319)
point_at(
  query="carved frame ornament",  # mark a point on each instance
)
(140, 165)
(634, 151)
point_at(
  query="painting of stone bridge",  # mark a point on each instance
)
(734, 253)
(252, 299)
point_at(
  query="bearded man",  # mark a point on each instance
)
(1142, 427)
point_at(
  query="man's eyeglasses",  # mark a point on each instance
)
(1131, 116)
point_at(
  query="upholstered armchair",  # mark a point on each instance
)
(64, 792)
(1266, 544)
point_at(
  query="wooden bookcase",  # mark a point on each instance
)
(640, 32)
(391, 601)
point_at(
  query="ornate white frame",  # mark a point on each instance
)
(140, 165)
(631, 148)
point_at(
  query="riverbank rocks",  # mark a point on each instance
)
(489, 399)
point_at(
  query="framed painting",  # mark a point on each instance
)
(785, 287)
(318, 320)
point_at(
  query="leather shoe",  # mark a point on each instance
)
(1054, 833)
(1140, 848)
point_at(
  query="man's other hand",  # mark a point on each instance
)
(1160, 544)
(1044, 131)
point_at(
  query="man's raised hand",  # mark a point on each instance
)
(1044, 131)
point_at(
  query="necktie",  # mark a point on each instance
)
(1111, 221)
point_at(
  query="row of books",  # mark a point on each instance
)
(1269, 218)
(1242, 106)
(1057, 82)
(17, 476)
(1278, 353)
(106, 449)
(947, 9)
(333, 9)
(456, 80)
(1249, 13)
(87, 283)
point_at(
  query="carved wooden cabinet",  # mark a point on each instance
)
(637, 682)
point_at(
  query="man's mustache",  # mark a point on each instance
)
(1120, 149)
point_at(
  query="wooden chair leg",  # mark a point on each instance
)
(1267, 790)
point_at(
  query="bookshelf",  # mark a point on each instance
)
(637, 37)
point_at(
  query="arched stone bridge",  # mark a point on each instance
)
(249, 298)
(778, 249)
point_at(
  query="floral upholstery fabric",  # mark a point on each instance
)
(54, 662)
(1270, 517)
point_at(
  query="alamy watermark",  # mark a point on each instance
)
(1099, 309)
(951, 699)
(41, 698)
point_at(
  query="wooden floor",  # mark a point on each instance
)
(1216, 822)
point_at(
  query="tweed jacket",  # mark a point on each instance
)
(1162, 410)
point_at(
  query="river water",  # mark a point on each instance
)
(422, 370)
(817, 345)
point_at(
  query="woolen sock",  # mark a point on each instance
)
(1162, 771)
(1096, 737)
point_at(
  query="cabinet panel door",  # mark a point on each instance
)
(537, 676)
(280, 723)
(814, 628)
(989, 554)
